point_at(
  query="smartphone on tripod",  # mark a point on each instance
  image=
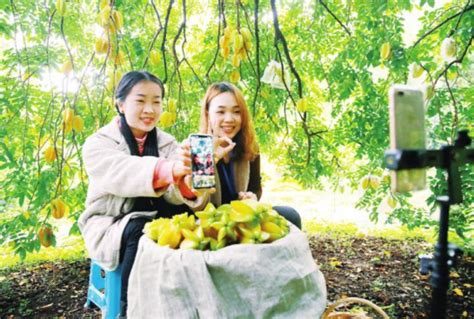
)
(202, 161)
(407, 131)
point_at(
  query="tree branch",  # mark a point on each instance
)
(257, 57)
(454, 124)
(155, 36)
(459, 60)
(163, 44)
(336, 18)
(280, 38)
(221, 17)
(466, 9)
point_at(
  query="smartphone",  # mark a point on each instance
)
(202, 161)
(407, 131)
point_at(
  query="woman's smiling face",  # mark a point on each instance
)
(224, 115)
(142, 107)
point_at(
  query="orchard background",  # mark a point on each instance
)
(316, 76)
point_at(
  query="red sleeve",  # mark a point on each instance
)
(163, 175)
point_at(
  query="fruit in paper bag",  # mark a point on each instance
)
(243, 221)
(226, 228)
(209, 215)
(194, 239)
(154, 228)
(253, 236)
(170, 236)
(448, 49)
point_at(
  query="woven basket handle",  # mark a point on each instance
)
(350, 300)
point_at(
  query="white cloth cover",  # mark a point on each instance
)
(277, 280)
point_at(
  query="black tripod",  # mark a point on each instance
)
(449, 157)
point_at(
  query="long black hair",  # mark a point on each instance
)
(126, 84)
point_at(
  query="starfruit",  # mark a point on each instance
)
(241, 212)
(365, 182)
(225, 52)
(246, 34)
(385, 51)
(184, 221)
(195, 239)
(226, 228)
(416, 70)
(117, 19)
(166, 119)
(58, 208)
(68, 120)
(302, 105)
(391, 201)
(104, 15)
(216, 245)
(155, 58)
(101, 45)
(78, 123)
(253, 236)
(236, 60)
(170, 236)
(224, 41)
(154, 228)
(235, 76)
(103, 4)
(228, 32)
(46, 236)
(238, 42)
(50, 154)
(61, 7)
(172, 105)
(273, 230)
(66, 68)
(209, 215)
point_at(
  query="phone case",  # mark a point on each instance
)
(202, 160)
(407, 131)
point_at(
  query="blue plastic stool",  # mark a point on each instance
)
(104, 290)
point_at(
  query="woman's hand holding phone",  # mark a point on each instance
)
(182, 166)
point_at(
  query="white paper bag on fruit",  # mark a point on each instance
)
(277, 280)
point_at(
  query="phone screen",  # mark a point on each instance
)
(202, 161)
(407, 131)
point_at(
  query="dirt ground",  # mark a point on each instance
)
(382, 271)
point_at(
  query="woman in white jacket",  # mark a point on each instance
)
(136, 173)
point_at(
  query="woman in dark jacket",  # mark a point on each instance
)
(224, 114)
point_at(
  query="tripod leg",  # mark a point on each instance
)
(440, 274)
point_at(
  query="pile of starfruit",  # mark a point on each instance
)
(242, 221)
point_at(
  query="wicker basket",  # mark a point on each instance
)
(331, 314)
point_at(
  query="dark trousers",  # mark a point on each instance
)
(290, 214)
(128, 250)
